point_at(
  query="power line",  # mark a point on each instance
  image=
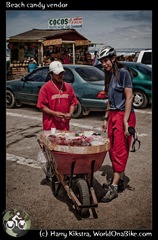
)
(40, 23)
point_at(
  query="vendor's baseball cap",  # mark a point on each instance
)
(56, 67)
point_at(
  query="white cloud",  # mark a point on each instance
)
(120, 29)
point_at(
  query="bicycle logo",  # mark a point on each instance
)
(16, 221)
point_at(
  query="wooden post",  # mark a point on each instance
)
(73, 52)
(40, 54)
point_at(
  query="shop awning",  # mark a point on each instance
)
(52, 42)
(81, 42)
(59, 41)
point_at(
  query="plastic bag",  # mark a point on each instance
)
(41, 159)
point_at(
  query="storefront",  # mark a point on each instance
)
(21, 53)
(43, 45)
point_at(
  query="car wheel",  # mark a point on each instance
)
(140, 99)
(10, 99)
(78, 112)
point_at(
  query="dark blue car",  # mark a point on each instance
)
(87, 82)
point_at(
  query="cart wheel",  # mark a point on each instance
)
(81, 191)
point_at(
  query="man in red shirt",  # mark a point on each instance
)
(56, 100)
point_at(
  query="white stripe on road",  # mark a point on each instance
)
(39, 119)
(23, 116)
(141, 111)
(72, 124)
(85, 126)
(21, 160)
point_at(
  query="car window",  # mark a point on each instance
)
(68, 76)
(39, 75)
(90, 74)
(146, 70)
(133, 72)
(147, 58)
(100, 67)
(48, 77)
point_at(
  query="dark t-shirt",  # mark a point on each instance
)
(116, 89)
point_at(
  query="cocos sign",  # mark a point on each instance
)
(65, 22)
(59, 21)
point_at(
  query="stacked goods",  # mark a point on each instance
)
(85, 138)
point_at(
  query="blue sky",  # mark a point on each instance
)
(120, 29)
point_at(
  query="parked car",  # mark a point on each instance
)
(144, 56)
(87, 82)
(142, 83)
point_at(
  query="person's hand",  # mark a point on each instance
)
(59, 115)
(68, 116)
(104, 126)
(126, 133)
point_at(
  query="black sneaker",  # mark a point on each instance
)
(111, 194)
(121, 186)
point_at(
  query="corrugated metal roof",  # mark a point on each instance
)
(44, 34)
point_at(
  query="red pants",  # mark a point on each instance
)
(119, 144)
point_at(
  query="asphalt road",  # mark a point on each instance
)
(27, 187)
